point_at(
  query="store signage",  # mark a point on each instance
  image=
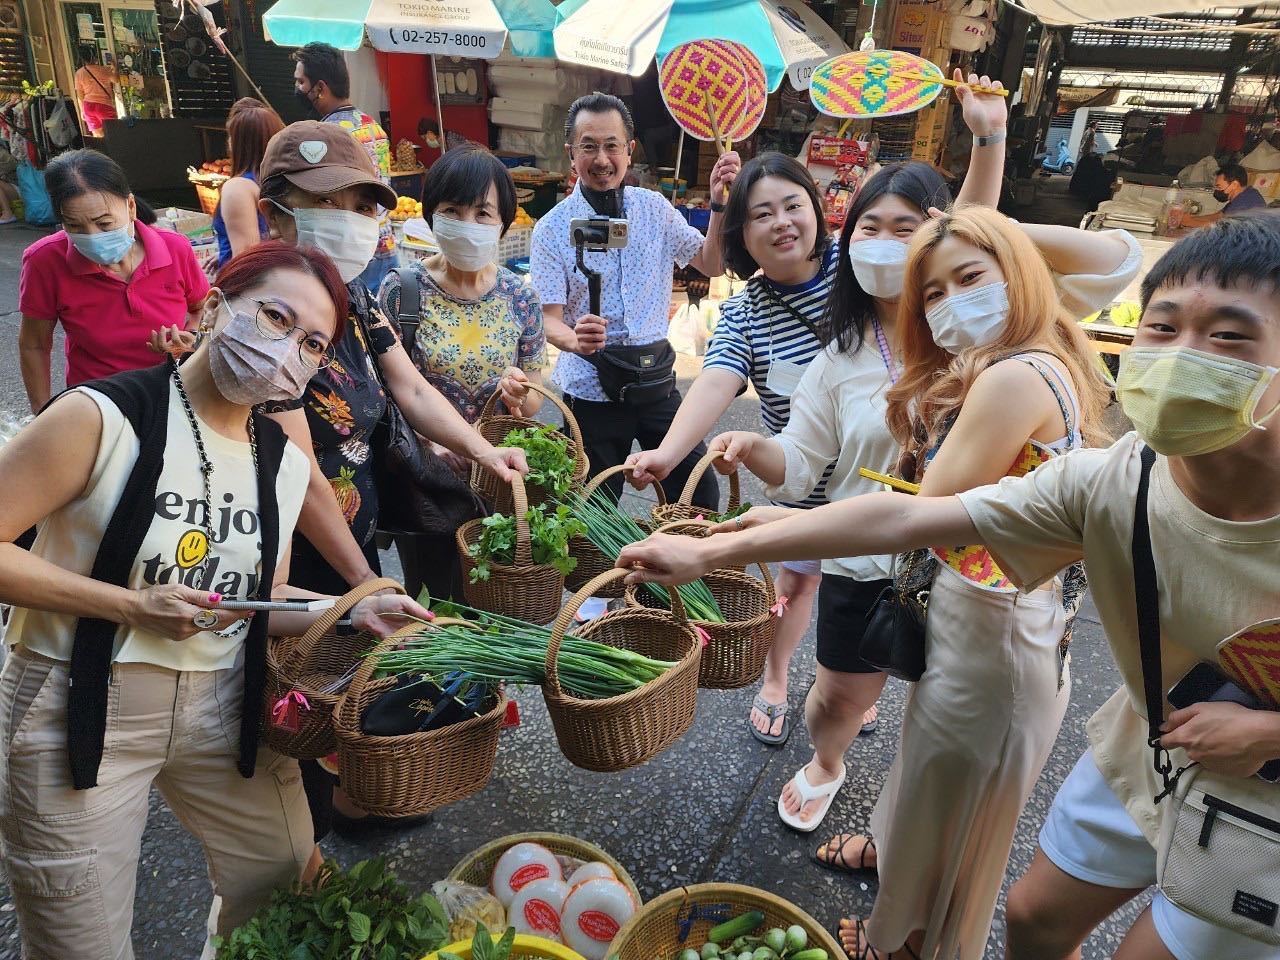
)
(457, 28)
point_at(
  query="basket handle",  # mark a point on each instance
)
(520, 507)
(561, 626)
(604, 475)
(699, 468)
(570, 421)
(324, 623)
(346, 710)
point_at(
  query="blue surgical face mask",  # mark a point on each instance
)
(105, 248)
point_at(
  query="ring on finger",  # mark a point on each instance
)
(738, 521)
(205, 619)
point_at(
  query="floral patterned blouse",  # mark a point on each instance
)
(463, 346)
(344, 402)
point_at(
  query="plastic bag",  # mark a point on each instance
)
(468, 907)
(36, 205)
(61, 125)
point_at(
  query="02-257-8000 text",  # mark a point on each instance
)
(433, 37)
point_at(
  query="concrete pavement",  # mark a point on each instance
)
(704, 810)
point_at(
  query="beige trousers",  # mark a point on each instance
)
(72, 855)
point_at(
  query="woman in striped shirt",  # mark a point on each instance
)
(774, 232)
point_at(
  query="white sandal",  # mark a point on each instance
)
(825, 792)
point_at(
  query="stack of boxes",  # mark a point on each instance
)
(530, 99)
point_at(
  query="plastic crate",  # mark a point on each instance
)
(516, 245)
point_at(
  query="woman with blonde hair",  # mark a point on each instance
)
(996, 378)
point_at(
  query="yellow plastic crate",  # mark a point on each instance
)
(526, 946)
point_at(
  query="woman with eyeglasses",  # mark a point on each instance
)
(159, 494)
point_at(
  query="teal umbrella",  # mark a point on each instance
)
(788, 37)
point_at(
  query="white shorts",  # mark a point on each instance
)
(807, 568)
(1090, 836)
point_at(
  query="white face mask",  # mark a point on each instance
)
(879, 266)
(349, 238)
(468, 246)
(971, 319)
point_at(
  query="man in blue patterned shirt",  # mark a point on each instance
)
(635, 303)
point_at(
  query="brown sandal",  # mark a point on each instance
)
(863, 950)
(831, 856)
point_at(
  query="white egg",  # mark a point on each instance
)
(593, 913)
(521, 865)
(590, 871)
(536, 908)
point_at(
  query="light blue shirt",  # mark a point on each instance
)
(635, 282)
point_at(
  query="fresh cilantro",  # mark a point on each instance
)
(549, 535)
(547, 452)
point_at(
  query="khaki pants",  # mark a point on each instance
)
(72, 855)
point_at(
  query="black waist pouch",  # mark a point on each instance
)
(636, 376)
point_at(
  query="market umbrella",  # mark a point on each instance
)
(460, 28)
(788, 38)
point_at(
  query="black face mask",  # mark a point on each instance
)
(1221, 196)
(607, 203)
(304, 99)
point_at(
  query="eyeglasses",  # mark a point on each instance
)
(611, 149)
(275, 322)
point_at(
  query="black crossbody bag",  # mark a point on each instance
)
(636, 376)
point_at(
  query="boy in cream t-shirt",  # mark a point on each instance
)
(1198, 385)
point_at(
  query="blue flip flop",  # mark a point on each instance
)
(772, 711)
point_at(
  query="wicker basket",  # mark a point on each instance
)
(685, 508)
(414, 773)
(735, 651)
(615, 733)
(591, 562)
(494, 427)
(525, 590)
(526, 947)
(308, 664)
(476, 868)
(661, 927)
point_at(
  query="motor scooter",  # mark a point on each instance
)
(1062, 162)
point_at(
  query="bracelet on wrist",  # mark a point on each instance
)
(990, 140)
(716, 207)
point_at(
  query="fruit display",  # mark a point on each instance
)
(522, 219)
(407, 208)
(734, 940)
(220, 167)
(405, 158)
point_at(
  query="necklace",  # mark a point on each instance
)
(206, 477)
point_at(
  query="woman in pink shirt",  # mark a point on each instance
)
(107, 278)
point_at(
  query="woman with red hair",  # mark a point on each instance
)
(237, 223)
(158, 493)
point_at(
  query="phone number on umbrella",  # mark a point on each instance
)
(438, 38)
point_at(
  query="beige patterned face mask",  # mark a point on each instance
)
(1185, 402)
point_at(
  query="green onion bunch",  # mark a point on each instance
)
(610, 528)
(499, 648)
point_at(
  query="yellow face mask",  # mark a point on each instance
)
(1185, 402)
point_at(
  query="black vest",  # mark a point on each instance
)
(143, 398)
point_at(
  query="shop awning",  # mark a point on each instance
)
(459, 28)
(1069, 12)
(789, 38)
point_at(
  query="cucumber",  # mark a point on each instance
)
(738, 926)
(813, 953)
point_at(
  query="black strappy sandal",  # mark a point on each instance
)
(836, 862)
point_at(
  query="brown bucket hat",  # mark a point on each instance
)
(322, 158)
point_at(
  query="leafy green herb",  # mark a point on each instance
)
(484, 948)
(736, 512)
(362, 914)
(547, 452)
(549, 535)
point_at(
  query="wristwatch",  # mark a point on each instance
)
(716, 207)
(990, 141)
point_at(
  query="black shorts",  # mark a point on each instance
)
(843, 604)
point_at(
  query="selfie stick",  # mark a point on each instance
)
(593, 276)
